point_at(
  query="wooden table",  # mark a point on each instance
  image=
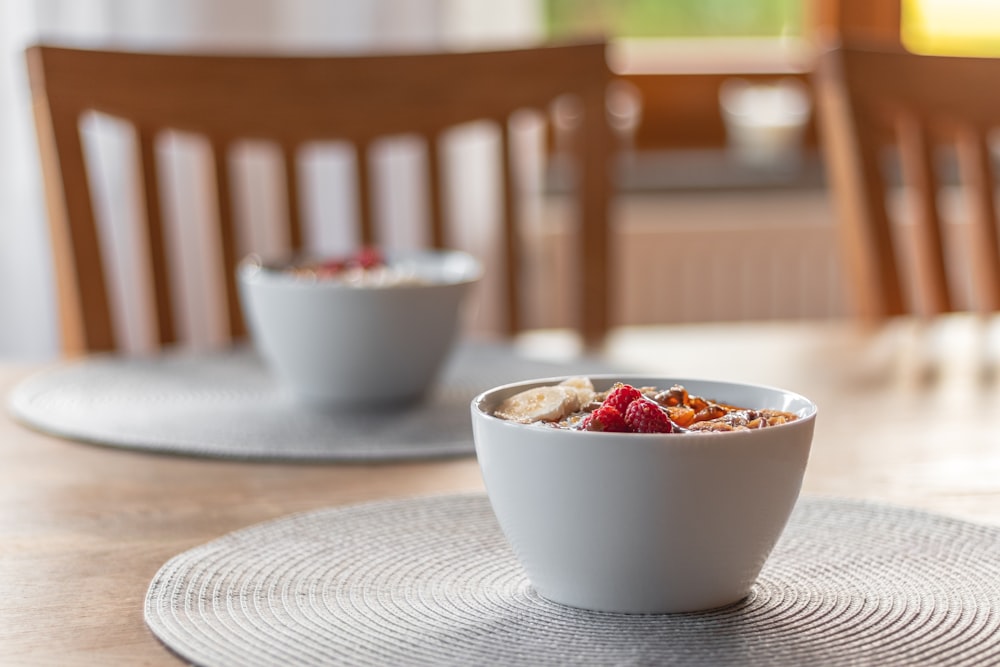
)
(907, 415)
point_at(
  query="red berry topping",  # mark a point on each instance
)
(621, 396)
(330, 267)
(644, 416)
(369, 258)
(605, 418)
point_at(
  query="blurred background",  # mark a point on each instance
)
(721, 213)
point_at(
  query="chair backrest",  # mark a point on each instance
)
(871, 99)
(290, 101)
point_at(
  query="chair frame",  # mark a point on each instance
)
(870, 97)
(292, 100)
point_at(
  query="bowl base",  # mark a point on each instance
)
(652, 609)
(358, 406)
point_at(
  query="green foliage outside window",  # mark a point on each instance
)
(674, 18)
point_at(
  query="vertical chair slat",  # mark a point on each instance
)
(227, 237)
(295, 238)
(163, 300)
(84, 308)
(511, 258)
(974, 163)
(849, 147)
(435, 192)
(880, 250)
(81, 295)
(917, 158)
(366, 225)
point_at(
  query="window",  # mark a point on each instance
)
(678, 53)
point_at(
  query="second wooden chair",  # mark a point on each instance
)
(871, 99)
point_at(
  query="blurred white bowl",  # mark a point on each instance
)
(644, 523)
(340, 345)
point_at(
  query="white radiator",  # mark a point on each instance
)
(698, 257)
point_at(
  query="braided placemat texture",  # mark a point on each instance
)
(431, 581)
(227, 405)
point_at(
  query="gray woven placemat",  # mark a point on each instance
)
(227, 405)
(431, 581)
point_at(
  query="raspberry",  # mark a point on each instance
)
(369, 258)
(620, 396)
(645, 416)
(606, 419)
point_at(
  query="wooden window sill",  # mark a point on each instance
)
(717, 55)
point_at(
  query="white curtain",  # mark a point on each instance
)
(28, 326)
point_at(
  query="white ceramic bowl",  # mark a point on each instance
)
(340, 345)
(644, 523)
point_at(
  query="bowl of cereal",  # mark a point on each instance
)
(642, 494)
(357, 331)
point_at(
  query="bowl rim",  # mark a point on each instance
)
(255, 269)
(804, 416)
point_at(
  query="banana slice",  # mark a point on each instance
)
(583, 386)
(547, 404)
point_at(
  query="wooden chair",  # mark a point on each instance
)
(291, 101)
(870, 99)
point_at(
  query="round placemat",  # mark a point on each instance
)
(431, 581)
(227, 405)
